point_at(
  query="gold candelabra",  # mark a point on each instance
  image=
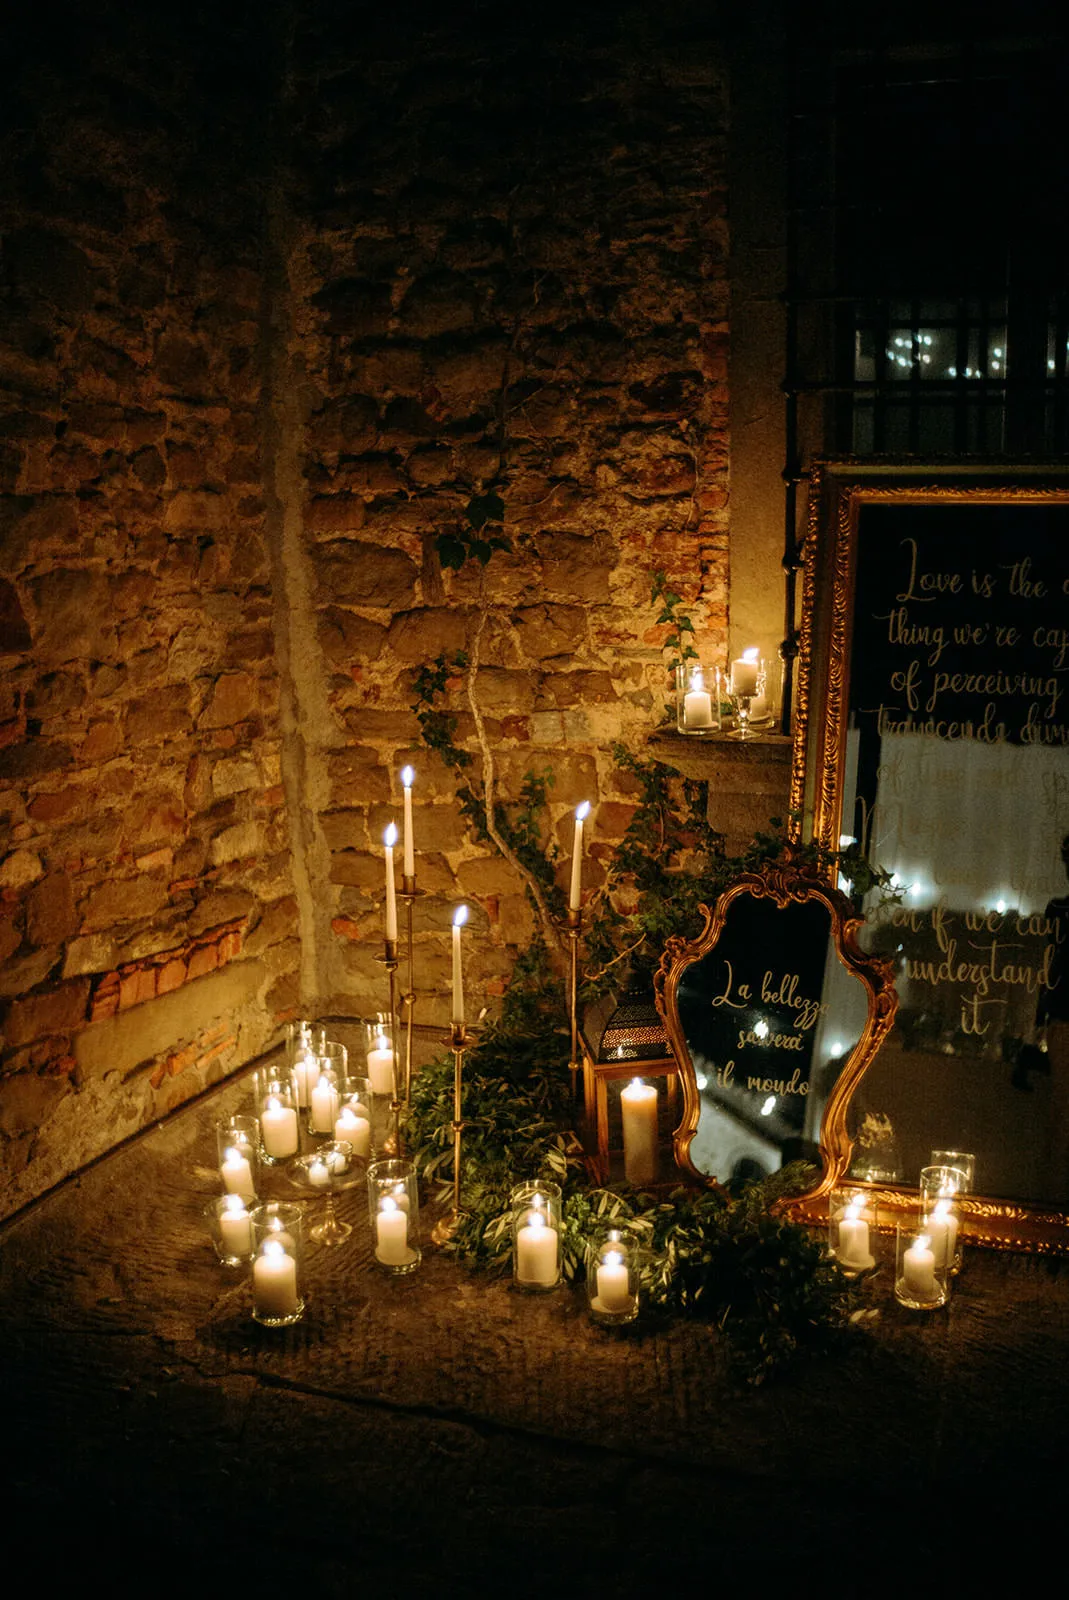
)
(458, 1040)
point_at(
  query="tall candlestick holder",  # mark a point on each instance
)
(574, 926)
(408, 998)
(391, 963)
(458, 1040)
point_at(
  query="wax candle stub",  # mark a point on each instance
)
(536, 1251)
(744, 674)
(391, 1234)
(614, 1289)
(380, 1066)
(853, 1251)
(918, 1268)
(697, 704)
(355, 1129)
(274, 1281)
(235, 1227)
(278, 1129)
(237, 1174)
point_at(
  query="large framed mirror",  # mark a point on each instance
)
(773, 1013)
(933, 728)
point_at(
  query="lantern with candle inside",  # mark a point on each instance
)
(939, 1189)
(614, 1257)
(922, 1279)
(852, 1229)
(276, 1106)
(230, 1226)
(698, 692)
(536, 1225)
(381, 1056)
(277, 1299)
(393, 1211)
(624, 1038)
(238, 1143)
(353, 1122)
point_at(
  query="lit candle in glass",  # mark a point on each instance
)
(380, 1066)
(744, 673)
(274, 1281)
(536, 1251)
(918, 1268)
(237, 1174)
(278, 1129)
(235, 1227)
(391, 1234)
(853, 1248)
(697, 703)
(614, 1289)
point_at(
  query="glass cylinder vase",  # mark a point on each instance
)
(230, 1226)
(381, 1055)
(613, 1273)
(536, 1225)
(922, 1279)
(393, 1210)
(277, 1299)
(238, 1142)
(698, 691)
(353, 1122)
(276, 1105)
(939, 1189)
(852, 1229)
(324, 1100)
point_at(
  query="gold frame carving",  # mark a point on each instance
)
(787, 881)
(838, 491)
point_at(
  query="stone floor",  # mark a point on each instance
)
(444, 1430)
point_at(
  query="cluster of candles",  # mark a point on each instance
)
(698, 692)
(927, 1253)
(613, 1254)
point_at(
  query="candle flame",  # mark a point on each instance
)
(388, 1205)
(231, 1156)
(235, 1205)
(389, 838)
(407, 776)
(382, 1043)
(853, 1208)
(274, 1103)
(921, 1242)
(612, 1258)
(638, 1083)
(535, 1219)
(942, 1209)
(697, 681)
(582, 811)
(751, 656)
(274, 1248)
(460, 916)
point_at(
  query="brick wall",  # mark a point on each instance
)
(281, 290)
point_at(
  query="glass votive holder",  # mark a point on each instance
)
(922, 1279)
(303, 1065)
(238, 1140)
(852, 1229)
(613, 1273)
(939, 1188)
(276, 1106)
(324, 1100)
(276, 1241)
(381, 1055)
(230, 1225)
(353, 1121)
(536, 1224)
(962, 1160)
(697, 698)
(747, 681)
(393, 1210)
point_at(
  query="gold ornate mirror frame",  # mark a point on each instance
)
(787, 885)
(983, 534)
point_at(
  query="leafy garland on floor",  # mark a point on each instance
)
(765, 1282)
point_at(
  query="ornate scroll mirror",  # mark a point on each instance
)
(933, 728)
(773, 1013)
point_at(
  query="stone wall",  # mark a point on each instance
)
(282, 289)
(147, 920)
(505, 259)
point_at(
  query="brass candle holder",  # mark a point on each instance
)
(391, 963)
(574, 927)
(458, 1040)
(408, 998)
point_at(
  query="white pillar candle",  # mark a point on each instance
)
(319, 1173)
(391, 1234)
(409, 867)
(324, 1107)
(744, 673)
(237, 1174)
(355, 1129)
(536, 1251)
(380, 1066)
(614, 1289)
(305, 1074)
(235, 1227)
(274, 1281)
(389, 839)
(638, 1106)
(460, 916)
(918, 1268)
(697, 703)
(278, 1129)
(853, 1248)
(576, 893)
(942, 1228)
